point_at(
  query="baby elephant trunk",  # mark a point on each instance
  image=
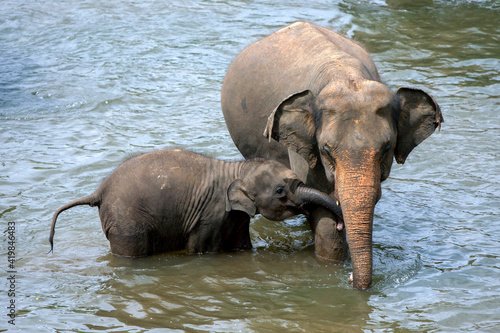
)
(307, 195)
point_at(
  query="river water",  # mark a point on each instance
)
(86, 84)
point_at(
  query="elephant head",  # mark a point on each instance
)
(269, 188)
(352, 133)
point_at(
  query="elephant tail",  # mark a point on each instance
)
(91, 200)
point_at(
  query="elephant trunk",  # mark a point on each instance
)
(358, 188)
(307, 195)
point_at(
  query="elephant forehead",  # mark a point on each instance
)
(359, 115)
(356, 133)
(273, 172)
(355, 95)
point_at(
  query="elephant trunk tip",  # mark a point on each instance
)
(307, 195)
(340, 225)
(359, 285)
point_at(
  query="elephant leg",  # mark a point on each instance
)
(329, 244)
(236, 232)
(128, 246)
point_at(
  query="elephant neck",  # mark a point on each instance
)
(217, 176)
(234, 170)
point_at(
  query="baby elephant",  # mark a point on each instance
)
(175, 199)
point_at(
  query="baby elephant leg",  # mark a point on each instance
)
(127, 244)
(128, 236)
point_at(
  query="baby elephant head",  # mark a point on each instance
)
(269, 188)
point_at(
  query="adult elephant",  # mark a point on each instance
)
(321, 99)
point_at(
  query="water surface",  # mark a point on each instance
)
(84, 85)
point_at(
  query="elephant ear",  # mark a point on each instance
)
(419, 116)
(292, 124)
(237, 198)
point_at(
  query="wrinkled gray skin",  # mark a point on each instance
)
(324, 111)
(175, 199)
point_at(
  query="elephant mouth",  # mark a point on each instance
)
(295, 210)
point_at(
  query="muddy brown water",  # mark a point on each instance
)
(86, 84)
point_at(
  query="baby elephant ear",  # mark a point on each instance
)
(237, 198)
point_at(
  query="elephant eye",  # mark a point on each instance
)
(280, 191)
(327, 150)
(385, 149)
